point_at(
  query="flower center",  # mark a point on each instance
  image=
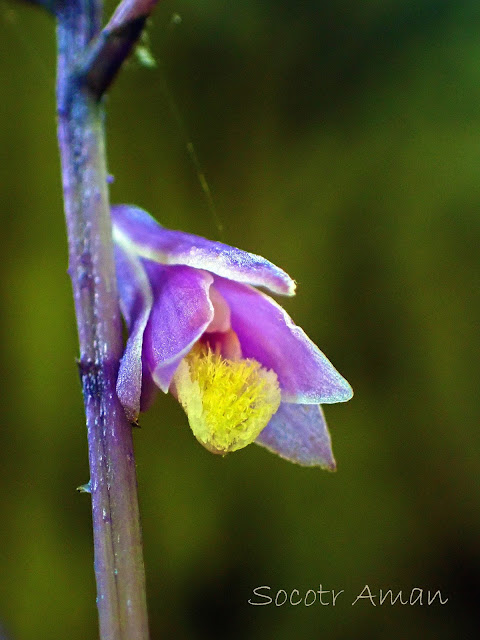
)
(228, 402)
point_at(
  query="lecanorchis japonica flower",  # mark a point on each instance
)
(199, 329)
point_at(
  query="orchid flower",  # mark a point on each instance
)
(200, 329)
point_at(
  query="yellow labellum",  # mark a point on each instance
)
(228, 402)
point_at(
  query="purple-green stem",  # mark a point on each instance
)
(119, 566)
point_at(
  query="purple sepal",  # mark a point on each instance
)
(135, 227)
(136, 303)
(269, 335)
(181, 312)
(299, 433)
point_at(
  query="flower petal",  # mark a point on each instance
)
(299, 433)
(134, 227)
(221, 313)
(135, 302)
(181, 312)
(269, 335)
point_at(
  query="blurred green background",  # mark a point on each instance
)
(341, 139)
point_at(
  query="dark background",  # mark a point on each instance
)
(341, 139)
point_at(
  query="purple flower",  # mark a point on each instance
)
(239, 366)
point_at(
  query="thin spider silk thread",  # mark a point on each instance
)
(190, 148)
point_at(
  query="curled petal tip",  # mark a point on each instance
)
(348, 394)
(291, 286)
(342, 392)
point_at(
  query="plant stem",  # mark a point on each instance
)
(119, 567)
(115, 43)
